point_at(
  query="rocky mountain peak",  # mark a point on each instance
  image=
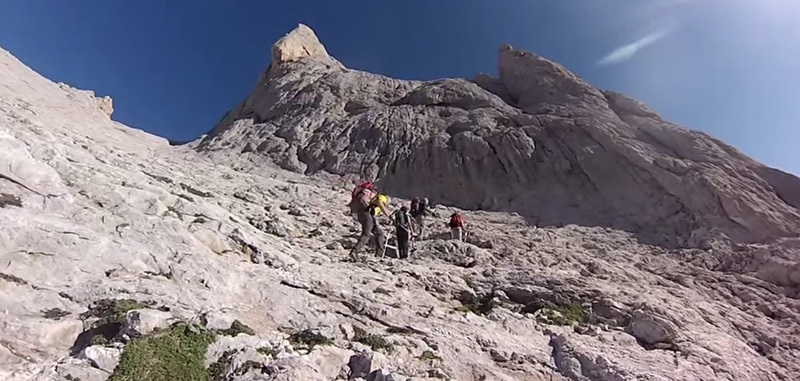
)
(298, 44)
(537, 140)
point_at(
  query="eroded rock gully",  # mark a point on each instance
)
(244, 263)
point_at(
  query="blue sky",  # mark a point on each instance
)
(727, 67)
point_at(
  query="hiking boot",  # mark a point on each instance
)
(354, 256)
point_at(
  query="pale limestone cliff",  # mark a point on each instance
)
(537, 140)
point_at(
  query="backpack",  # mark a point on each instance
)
(414, 206)
(456, 221)
(419, 208)
(362, 197)
(358, 189)
(401, 220)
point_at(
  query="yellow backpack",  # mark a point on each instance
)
(376, 202)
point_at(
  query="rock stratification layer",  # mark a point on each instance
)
(537, 140)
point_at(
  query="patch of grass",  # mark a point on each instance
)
(236, 328)
(218, 369)
(374, 341)
(172, 354)
(571, 314)
(309, 338)
(9, 200)
(12, 279)
(99, 340)
(112, 310)
(266, 351)
(480, 305)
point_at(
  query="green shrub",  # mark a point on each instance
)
(376, 342)
(236, 328)
(98, 340)
(309, 338)
(112, 310)
(173, 354)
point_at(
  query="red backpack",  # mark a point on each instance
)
(358, 189)
(456, 221)
(361, 196)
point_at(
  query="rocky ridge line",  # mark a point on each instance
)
(536, 140)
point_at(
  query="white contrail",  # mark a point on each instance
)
(625, 52)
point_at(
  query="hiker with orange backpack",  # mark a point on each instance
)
(367, 204)
(457, 226)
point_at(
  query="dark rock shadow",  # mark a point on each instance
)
(108, 331)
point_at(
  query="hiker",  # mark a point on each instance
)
(419, 210)
(403, 229)
(368, 204)
(457, 226)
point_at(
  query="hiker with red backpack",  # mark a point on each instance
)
(457, 226)
(367, 204)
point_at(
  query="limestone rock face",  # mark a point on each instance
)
(298, 44)
(538, 140)
(107, 232)
(106, 105)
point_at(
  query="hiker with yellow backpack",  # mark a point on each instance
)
(368, 204)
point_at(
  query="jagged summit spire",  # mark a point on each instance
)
(300, 43)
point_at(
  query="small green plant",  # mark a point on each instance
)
(98, 340)
(70, 377)
(54, 313)
(267, 351)
(571, 314)
(236, 328)
(309, 338)
(479, 306)
(173, 354)
(462, 308)
(111, 310)
(376, 342)
(218, 369)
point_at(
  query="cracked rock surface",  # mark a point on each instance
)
(113, 233)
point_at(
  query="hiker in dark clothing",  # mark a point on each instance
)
(404, 229)
(419, 210)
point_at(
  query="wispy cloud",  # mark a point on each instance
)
(626, 52)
